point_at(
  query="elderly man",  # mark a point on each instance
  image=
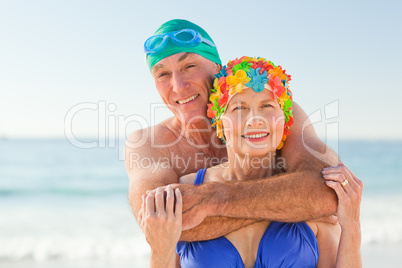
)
(183, 61)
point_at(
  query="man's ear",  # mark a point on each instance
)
(217, 68)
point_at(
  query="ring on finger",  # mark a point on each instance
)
(344, 182)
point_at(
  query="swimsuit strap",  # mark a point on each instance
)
(199, 179)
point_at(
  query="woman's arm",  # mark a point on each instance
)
(162, 226)
(349, 191)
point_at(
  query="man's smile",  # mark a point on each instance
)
(188, 99)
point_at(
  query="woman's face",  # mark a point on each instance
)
(253, 123)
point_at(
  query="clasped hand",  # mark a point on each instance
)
(349, 191)
(161, 221)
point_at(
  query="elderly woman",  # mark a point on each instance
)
(251, 108)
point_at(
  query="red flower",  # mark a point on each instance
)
(236, 61)
(286, 131)
(223, 99)
(210, 113)
(276, 86)
(258, 64)
(290, 122)
(268, 66)
(224, 87)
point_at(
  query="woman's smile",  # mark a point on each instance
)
(255, 136)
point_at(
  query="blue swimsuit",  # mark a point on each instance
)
(282, 245)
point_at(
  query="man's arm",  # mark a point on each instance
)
(300, 194)
(214, 227)
(145, 176)
(303, 149)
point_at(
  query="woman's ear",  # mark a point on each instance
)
(223, 132)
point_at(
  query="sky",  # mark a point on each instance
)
(78, 67)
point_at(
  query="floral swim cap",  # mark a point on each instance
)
(255, 73)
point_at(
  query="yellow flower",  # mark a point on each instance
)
(214, 96)
(216, 83)
(284, 97)
(281, 102)
(237, 81)
(237, 89)
(239, 77)
(257, 60)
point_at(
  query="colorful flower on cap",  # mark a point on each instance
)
(255, 73)
(257, 81)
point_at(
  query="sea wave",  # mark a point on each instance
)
(64, 247)
(73, 248)
(62, 192)
(109, 232)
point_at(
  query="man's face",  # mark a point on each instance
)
(184, 82)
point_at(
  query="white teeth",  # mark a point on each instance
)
(188, 99)
(256, 136)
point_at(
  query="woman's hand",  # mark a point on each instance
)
(349, 190)
(162, 224)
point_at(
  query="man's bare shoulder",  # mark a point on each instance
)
(152, 137)
(303, 149)
(144, 156)
(299, 118)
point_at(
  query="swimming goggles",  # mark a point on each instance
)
(185, 38)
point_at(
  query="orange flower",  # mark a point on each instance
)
(219, 130)
(280, 145)
(277, 71)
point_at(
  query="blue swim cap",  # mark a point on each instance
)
(171, 48)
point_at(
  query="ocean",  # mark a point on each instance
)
(63, 206)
